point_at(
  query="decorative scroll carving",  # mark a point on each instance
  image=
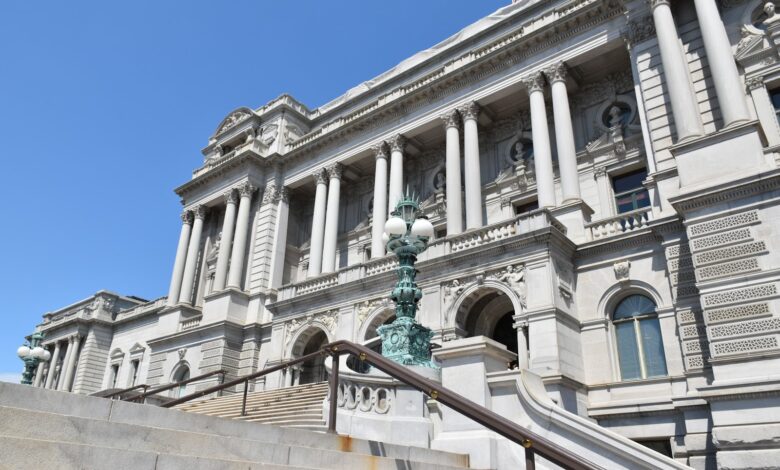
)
(556, 73)
(640, 30)
(451, 118)
(187, 217)
(622, 270)
(335, 170)
(535, 82)
(469, 111)
(397, 143)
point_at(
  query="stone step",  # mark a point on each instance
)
(258, 396)
(23, 454)
(238, 396)
(262, 435)
(72, 430)
(291, 403)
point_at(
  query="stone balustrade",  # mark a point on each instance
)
(190, 323)
(619, 224)
(475, 238)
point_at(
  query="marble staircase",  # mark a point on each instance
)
(53, 429)
(292, 407)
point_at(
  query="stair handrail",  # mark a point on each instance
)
(532, 442)
(245, 380)
(125, 390)
(140, 398)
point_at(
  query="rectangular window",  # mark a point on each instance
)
(630, 195)
(133, 372)
(114, 374)
(628, 351)
(774, 95)
(527, 207)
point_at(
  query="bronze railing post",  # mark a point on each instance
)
(530, 460)
(243, 402)
(334, 393)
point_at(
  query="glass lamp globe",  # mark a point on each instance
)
(385, 238)
(395, 226)
(37, 352)
(23, 351)
(46, 355)
(422, 228)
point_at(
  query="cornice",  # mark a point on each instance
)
(507, 51)
(727, 192)
(245, 159)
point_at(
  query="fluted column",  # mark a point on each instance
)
(731, 96)
(70, 372)
(471, 170)
(39, 374)
(181, 254)
(225, 244)
(53, 365)
(191, 264)
(685, 106)
(64, 367)
(379, 215)
(331, 219)
(541, 136)
(396, 191)
(452, 166)
(564, 133)
(318, 223)
(242, 233)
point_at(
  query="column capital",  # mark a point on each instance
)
(269, 193)
(231, 196)
(199, 212)
(320, 176)
(246, 190)
(186, 217)
(754, 83)
(656, 3)
(469, 110)
(380, 150)
(640, 30)
(556, 73)
(535, 82)
(334, 170)
(450, 118)
(283, 194)
(397, 143)
(600, 172)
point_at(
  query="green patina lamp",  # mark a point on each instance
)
(32, 354)
(408, 232)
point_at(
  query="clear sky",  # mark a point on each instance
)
(104, 107)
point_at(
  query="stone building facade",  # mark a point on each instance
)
(603, 179)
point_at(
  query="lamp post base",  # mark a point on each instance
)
(407, 342)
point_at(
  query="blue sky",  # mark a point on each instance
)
(104, 107)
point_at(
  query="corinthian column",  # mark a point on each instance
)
(55, 357)
(380, 202)
(242, 233)
(564, 134)
(452, 165)
(64, 366)
(545, 188)
(181, 254)
(397, 144)
(231, 199)
(191, 265)
(73, 361)
(685, 107)
(470, 113)
(731, 96)
(318, 223)
(332, 219)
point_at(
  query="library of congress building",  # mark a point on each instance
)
(603, 180)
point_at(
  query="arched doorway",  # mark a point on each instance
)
(489, 311)
(313, 370)
(181, 373)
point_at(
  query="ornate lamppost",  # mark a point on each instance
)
(32, 354)
(408, 232)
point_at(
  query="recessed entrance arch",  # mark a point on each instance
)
(488, 310)
(310, 340)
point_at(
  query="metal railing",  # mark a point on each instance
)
(142, 397)
(532, 443)
(119, 393)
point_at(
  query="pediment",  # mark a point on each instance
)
(233, 119)
(137, 349)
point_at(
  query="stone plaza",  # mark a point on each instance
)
(603, 181)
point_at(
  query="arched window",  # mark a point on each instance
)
(639, 343)
(182, 373)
